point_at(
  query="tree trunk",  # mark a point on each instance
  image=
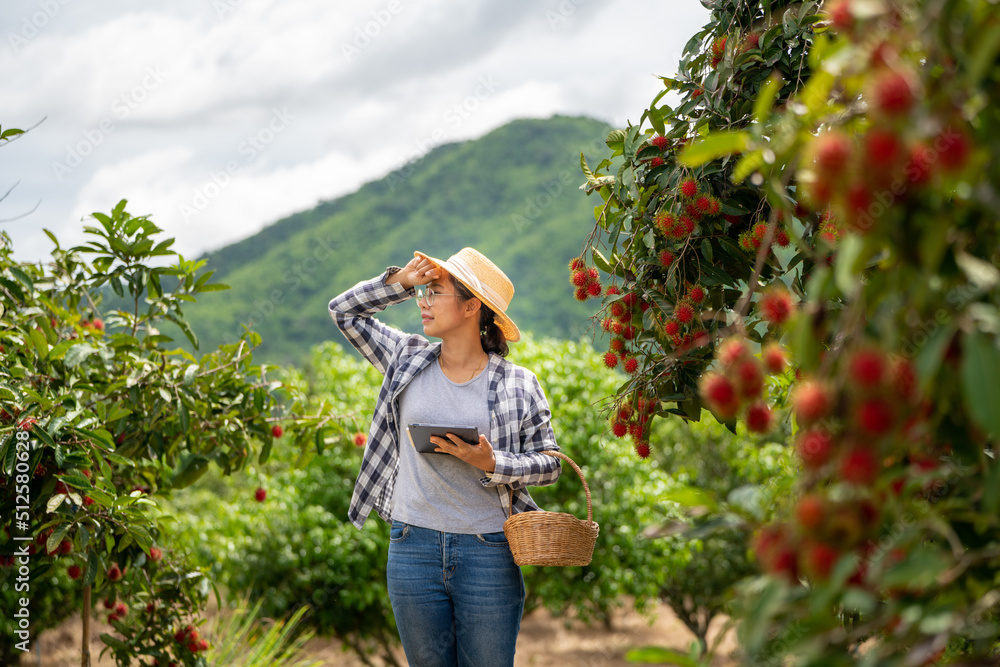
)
(85, 614)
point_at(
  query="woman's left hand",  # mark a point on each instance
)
(481, 455)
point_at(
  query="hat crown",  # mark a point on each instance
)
(492, 281)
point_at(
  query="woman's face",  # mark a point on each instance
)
(448, 312)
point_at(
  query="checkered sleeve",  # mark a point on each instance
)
(353, 310)
(530, 467)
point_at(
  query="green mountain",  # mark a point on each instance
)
(512, 194)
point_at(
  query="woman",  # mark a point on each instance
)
(456, 592)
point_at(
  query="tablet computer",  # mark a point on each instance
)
(420, 435)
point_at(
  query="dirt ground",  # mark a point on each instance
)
(544, 642)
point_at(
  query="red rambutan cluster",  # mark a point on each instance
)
(738, 385)
(718, 51)
(587, 281)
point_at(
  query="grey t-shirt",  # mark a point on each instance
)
(440, 491)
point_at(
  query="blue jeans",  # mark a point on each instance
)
(457, 598)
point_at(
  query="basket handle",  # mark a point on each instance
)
(576, 468)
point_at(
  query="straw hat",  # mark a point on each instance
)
(484, 279)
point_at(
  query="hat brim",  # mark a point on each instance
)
(507, 326)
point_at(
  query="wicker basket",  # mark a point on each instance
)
(552, 538)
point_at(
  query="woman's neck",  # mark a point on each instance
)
(462, 353)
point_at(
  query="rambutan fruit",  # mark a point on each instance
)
(631, 365)
(776, 306)
(689, 187)
(814, 447)
(666, 258)
(656, 162)
(594, 289)
(576, 264)
(629, 332)
(953, 147)
(841, 16)
(260, 494)
(883, 148)
(612, 290)
(820, 559)
(74, 572)
(619, 428)
(811, 401)
(114, 572)
(867, 368)
(610, 359)
(831, 153)
(616, 345)
(696, 294)
(810, 512)
(875, 416)
(919, 167)
(580, 294)
(774, 358)
(683, 312)
(660, 142)
(665, 222)
(731, 350)
(671, 327)
(748, 377)
(893, 92)
(617, 309)
(759, 418)
(642, 450)
(719, 394)
(859, 466)
(579, 278)
(702, 204)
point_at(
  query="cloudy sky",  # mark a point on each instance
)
(218, 117)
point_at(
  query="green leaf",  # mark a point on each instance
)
(850, 263)
(190, 471)
(22, 277)
(715, 145)
(658, 655)
(600, 261)
(114, 642)
(816, 92)
(748, 164)
(76, 354)
(54, 502)
(40, 343)
(688, 496)
(765, 98)
(980, 370)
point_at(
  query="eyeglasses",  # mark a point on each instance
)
(429, 294)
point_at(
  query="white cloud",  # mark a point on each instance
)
(180, 88)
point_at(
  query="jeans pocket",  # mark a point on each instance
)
(493, 539)
(399, 531)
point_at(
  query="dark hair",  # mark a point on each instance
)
(490, 335)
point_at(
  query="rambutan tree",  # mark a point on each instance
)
(870, 157)
(99, 416)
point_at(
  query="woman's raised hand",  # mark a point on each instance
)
(418, 271)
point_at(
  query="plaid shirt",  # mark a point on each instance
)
(520, 427)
